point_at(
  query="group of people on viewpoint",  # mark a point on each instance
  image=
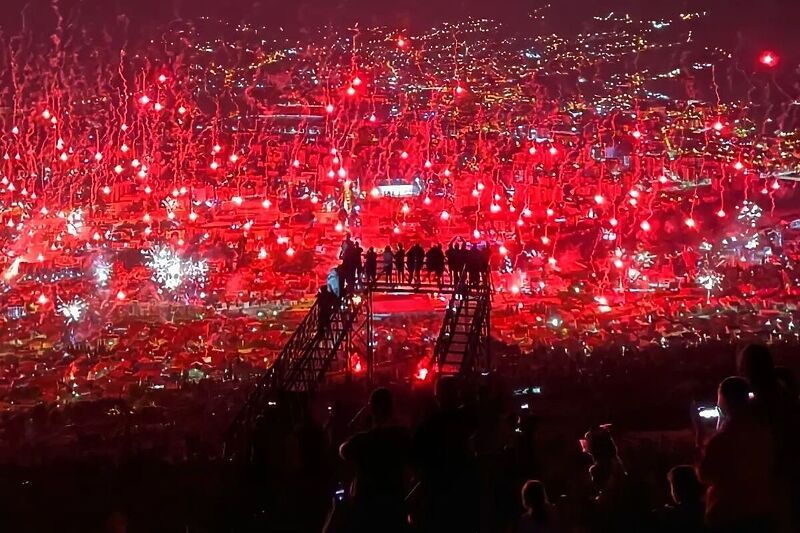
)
(401, 266)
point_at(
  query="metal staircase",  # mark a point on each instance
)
(299, 369)
(461, 348)
(463, 343)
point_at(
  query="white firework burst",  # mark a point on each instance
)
(709, 279)
(644, 259)
(102, 272)
(750, 212)
(75, 222)
(170, 204)
(72, 309)
(170, 271)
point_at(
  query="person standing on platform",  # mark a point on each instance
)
(400, 261)
(416, 257)
(388, 263)
(370, 265)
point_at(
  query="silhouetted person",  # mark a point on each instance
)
(388, 263)
(615, 506)
(334, 282)
(473, 262)
(453, 265)
(774, 403)
(435, 260)
(738, 465)
(380, 457)
(350, 265)
(540, 515)
(400, 262)
(446, 498)
(416, 257)
(326, 301)
(347, 243)
(370, 265)
(686, 512)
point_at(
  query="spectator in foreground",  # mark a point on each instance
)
(737, 465)
(685, 514)
(616, 506)
(446, 498)
(380, 456)
(540, 515)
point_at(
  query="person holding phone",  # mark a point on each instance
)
(737, 466)
(380, 457)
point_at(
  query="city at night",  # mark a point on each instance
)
(468, 267)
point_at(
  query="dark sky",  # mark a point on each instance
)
(762, 22)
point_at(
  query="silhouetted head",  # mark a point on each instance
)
(733, 396)
(684, 485)
(755, 364)
(534, 496)
(599, 443)
(381, 404)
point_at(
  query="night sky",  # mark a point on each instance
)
(764, 21)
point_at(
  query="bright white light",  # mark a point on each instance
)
(170, 271)
(102, 272)
(72, 310)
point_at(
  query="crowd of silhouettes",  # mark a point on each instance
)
(459, 467)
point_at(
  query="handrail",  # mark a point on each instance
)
(447, 331)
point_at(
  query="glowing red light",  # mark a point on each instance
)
(356, 365)
(636, 134)
(401, 42)
(738, 165)
(769, 59)
(422, 373)
(718, 125)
